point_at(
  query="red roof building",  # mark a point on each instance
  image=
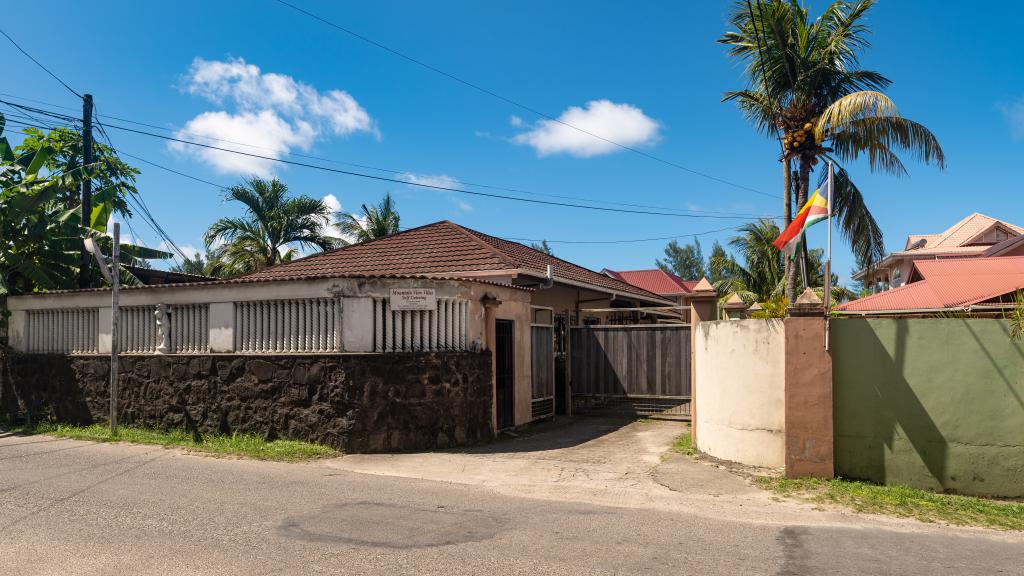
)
(655, 280)
(962, 283)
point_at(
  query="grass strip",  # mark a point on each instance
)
(684, 445)
(902, 501)
(245, 445)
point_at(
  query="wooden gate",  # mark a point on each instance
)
(645, 368)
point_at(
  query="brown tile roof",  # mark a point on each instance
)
(441, 248)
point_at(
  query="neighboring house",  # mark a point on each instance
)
(973, 284)
(975, 236)
(660, 282)
(476, 290)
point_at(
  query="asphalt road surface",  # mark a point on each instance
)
(69, 507)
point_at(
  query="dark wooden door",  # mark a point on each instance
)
(504, 368)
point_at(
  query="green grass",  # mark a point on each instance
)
(902, 501)
(684, 445)
(245, 445)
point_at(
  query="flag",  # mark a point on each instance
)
(813, 212)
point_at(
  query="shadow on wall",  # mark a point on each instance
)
(930, 403)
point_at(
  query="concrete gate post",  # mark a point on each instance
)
(703, 303)
(808, 387)
(491, 303)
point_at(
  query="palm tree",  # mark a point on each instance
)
(806, 87)
(209, 264)
(376, 221)
(272, 225)
(758, 276)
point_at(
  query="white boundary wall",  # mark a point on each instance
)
(739, 389)
(308, 316)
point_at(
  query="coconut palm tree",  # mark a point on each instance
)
(758, 275)
(271, 228)
(375, 222)
(806, 88)
(758, 272)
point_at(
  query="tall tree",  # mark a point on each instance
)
(375, 222)
(113, 179)
(273, 225)
(758, 273)
(41, 228)
(686, 261)
(717, 252)
(806, 87)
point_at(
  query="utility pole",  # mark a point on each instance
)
(115, 320)
(85, 272)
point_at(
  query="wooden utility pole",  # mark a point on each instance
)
(85, 272)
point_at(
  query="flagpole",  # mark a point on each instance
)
(828, 260)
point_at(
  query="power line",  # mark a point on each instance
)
(40, 64)
(147, 215)
(627, 241)
(517, 104)
(424, 185)
(379, 169)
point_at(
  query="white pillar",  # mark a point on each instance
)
(222, 327)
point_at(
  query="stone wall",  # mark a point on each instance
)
(354, 402)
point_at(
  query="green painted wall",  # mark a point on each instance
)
(931, 403)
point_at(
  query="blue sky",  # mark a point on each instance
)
(647, 74)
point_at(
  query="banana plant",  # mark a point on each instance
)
(40, 235)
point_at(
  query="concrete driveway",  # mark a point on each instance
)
(80, 508)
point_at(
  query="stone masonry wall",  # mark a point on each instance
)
(353, 402)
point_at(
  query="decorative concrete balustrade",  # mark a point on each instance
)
(445, 328)
(62, 331)
(176, 323)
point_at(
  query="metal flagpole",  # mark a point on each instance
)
(828, 262)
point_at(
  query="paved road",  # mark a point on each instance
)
(70, 507)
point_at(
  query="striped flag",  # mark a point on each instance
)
(813, 212)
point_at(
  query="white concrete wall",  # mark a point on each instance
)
(355, 296)
(739, 390)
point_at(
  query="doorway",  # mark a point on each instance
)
(504, 373)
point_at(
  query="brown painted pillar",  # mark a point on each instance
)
(491, 303)
(808, 429)
(703, 308)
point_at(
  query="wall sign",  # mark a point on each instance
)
(413, 299)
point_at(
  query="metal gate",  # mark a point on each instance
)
(644, 368)
(542, 355)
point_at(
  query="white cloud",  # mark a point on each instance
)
(621, 123)
(1013, 113)
(270, 115)
(441, 180)
(332, 202)
(515, 121)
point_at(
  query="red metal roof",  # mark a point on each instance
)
(952, 283)
(441, 248)
(655, 280)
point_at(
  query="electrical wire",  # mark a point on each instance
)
(517, 104)
(40, 64)
(400, 173)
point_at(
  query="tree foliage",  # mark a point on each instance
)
(41, 228)
(543, 247)
(273, 225)
(686, 261)
(804, 80)
(374, 222)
